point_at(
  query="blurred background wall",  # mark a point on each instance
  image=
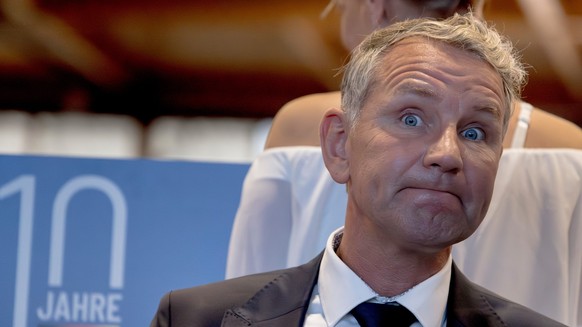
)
(146, 59)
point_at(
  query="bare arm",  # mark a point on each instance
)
(297, 123)
(551, 131)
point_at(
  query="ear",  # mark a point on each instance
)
(333, 138)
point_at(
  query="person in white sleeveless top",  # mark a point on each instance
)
(297, 122)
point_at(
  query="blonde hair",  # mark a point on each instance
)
(465, 32)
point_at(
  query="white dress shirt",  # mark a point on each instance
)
(339, 290)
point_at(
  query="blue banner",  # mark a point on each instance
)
(97, 242)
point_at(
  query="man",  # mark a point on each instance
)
(425, 106)
(270, 178)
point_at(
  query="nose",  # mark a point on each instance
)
(444, 152)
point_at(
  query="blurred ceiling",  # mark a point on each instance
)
(241, 58)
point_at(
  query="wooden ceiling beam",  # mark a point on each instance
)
(63, 44)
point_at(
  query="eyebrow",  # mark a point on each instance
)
(490, 109)
(429, 93)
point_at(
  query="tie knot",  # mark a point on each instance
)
(376, 314)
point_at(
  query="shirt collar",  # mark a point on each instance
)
(427, 300)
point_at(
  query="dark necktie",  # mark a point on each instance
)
(380, 315)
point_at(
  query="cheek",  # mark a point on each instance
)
(380, 167)
(482, 175)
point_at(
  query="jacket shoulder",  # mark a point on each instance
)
(205, 305)
(280, 295)
(473, 305)
(514, 314)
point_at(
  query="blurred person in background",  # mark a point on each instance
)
(296, 123)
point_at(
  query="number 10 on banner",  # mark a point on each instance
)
(85, 308)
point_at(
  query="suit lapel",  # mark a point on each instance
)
(467, 305)
(282, 302)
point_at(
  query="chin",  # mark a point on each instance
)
(444, 233)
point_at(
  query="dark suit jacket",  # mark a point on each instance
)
(281, 298)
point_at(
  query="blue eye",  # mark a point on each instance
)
(411, 120)
(473, 134)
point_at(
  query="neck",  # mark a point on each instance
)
(389, 270)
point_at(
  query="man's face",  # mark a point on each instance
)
(424, 153)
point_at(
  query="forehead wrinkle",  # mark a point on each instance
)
(424, 75)
(417, 89)
(420, 80)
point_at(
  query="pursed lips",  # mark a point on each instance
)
(435, 189)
